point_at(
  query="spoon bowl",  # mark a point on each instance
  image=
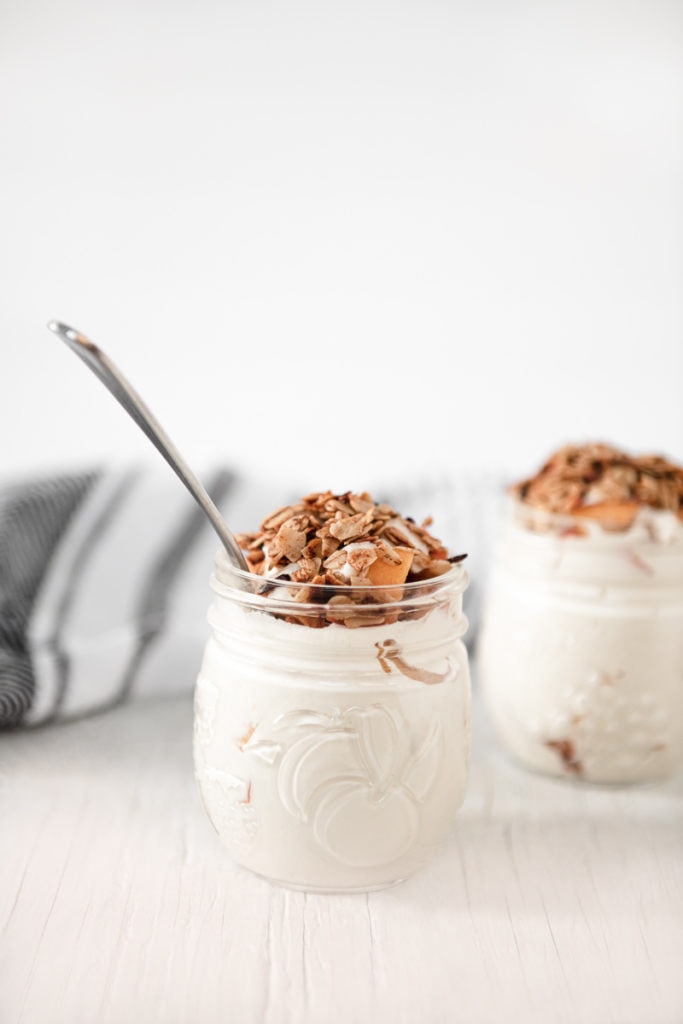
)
(115, 382)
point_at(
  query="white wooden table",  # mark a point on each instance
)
(551, 903)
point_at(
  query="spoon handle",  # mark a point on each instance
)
(112, 378)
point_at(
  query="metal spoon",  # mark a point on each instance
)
(112, 378)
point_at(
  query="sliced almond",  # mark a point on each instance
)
(408, 535)
(350, 527)
(360, 558)
(435, 567)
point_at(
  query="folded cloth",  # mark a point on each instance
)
(104, 578)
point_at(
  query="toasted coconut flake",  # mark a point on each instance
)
(388, 554)
(361, 558)
(330, 544)
(291, 539)
(420, 562)
(337, 560)
(407, 534)
(361, 502)
(335, 579)
(435, 567)
(351, 527)
(313, 549)
(280, 516)
(308, 568)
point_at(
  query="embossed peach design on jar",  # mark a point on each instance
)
(354, 778)
(351, 744)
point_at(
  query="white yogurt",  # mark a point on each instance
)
(333, 758)
(580, 657)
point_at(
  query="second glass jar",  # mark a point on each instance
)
(580, 657)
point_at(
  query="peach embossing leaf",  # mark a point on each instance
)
(353, 777)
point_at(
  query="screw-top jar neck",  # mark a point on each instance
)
(558, 548)
(319, 605)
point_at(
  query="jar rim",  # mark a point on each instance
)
(228, 580)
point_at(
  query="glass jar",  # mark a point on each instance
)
(580, 657)
(331, 739)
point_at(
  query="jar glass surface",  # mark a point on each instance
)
(332, 726)
(580, 657)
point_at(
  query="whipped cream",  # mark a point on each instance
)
(580, 657)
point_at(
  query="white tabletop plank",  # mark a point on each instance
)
(552, 902)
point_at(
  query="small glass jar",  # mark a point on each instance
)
(333, 755)
(580, 657)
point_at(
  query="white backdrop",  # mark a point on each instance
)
(343, 242)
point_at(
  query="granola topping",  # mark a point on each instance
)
(344, 539)
(349, 541)
(598, 483)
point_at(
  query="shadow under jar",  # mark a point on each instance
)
(332, 737)
(580, 656)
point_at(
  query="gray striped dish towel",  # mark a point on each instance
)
(104, 578)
